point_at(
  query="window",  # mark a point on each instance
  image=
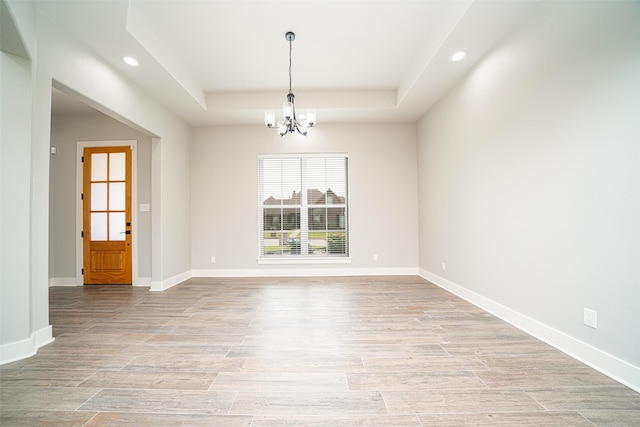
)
(302, 206)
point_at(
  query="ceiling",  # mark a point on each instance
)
(225, 62)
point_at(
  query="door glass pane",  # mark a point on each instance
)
(117, 166)
(116, 226)
(116, 196)
(98, 166)
(98, 226)
(98, 196)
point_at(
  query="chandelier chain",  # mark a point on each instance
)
(290, 49)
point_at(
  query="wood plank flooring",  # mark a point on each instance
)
(341, 351)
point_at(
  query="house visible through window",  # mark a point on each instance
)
(302, 205)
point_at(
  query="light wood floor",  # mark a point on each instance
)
(365, 351)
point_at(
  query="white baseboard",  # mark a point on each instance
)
(606, 363)
(305, 272)
(158, 286)
(143, 282)
(26, 348)
(73, 281)
(64, 281)
(163, 285)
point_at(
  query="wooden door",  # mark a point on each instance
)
(106, 211)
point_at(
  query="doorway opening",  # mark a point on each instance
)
(77, 124)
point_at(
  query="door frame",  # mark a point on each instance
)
(135, 279)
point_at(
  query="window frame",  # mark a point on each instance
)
(305, 210)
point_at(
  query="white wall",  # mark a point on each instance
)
(383, 196)
(66, 131)
(15, 154)
(24, 318)
(529, 181)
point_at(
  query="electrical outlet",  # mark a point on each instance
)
(444, 266)
(591, 318)
(375, 257)
(213, 260)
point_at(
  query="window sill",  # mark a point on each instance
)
(304, 260)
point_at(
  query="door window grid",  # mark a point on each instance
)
(108, 196)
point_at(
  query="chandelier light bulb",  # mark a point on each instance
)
(311, 117)
(269, 118)
(287, 110)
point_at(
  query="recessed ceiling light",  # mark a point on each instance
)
(459, 56)
(130, 61)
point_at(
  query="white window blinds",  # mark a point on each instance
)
(303, 206)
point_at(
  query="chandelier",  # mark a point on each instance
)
(291, 122)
